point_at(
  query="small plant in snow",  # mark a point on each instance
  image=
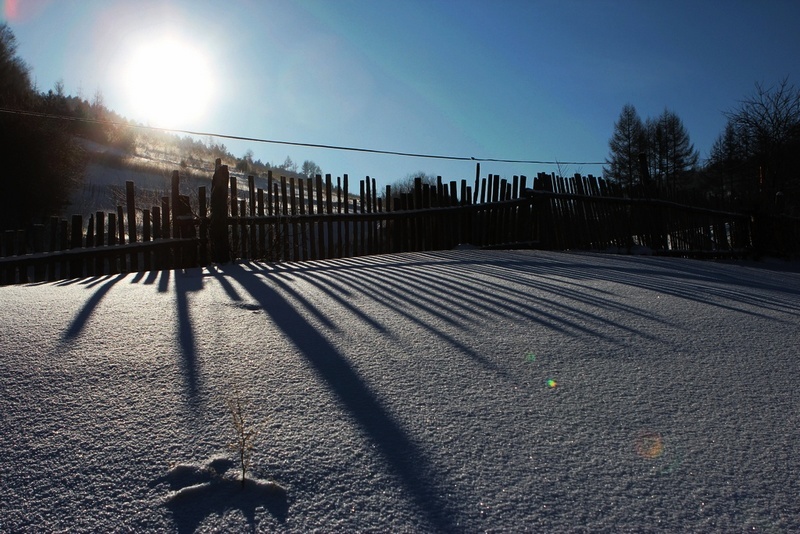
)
(244, 433)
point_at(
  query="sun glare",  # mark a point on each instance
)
(168, 83)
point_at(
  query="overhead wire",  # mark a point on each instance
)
(295, 143)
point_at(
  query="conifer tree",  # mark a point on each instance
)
(625, 145)
(671, 155)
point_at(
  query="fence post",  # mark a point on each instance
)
(132, 238)
(218, 227)
(76, 241)
(131, 207)
(203, 207)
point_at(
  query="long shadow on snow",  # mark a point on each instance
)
(186, 282)
(80, 320)
(401, 454)
(698, 281)
(719, 285)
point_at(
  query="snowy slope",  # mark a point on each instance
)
(452, 391)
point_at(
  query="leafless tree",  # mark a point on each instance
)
(768, 121)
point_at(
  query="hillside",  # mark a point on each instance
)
(149, 162)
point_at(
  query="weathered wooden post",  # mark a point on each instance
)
(234, 241)
(112, 240)
(175, 219)
(203, 205)
(188, 254)
(76, 241)
(131, 208)
(132, 237)
(147, 255)
(218, 227)
(39, 270)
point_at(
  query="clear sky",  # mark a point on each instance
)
(508, 79)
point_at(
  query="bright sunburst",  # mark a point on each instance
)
(168, 82)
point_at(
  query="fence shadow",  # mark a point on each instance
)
(449, 296)
(403, 457)
(187, 282)
(89, 308)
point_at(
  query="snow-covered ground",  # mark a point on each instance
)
(451, 391)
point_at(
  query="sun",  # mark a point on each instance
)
(168, 82)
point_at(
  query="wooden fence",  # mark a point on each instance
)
(160, 237)
(315, 218)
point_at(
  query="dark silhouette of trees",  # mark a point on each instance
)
(626, 144)
(731, 170)
(406, 185)
(755, 160)
(41, 161)
(671, 156)
(16, 90)
(654, 157)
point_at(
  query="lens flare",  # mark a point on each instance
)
(18, 11)
(11, 10)
(649, 445)
(552, 384)
(531, 357)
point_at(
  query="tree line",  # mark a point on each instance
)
(40, 158)
(754, 164)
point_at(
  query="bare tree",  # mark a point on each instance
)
(98, 102)
(310, 169)
(769, 122)
(753, 162)
(245, 163)
(406, 185)
(58, 87)
(289, 165)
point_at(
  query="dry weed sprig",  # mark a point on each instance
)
(244, 433)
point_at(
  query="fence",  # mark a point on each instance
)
(309, 219)
(162, 237)
(296, 220)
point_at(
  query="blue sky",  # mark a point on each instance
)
(524, 80)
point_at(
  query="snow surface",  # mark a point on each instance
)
(451, 391)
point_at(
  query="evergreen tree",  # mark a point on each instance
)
(16, 89)
(625, 145)
(671, 155)
(730, 163)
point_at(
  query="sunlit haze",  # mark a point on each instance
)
(167, 82)
(524, 80)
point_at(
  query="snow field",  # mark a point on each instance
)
(451, 391)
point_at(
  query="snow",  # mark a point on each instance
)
(452, 391)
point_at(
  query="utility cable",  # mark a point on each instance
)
(295, 143)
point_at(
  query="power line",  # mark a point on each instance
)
(296, 143)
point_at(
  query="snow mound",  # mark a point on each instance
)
(202, 490)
